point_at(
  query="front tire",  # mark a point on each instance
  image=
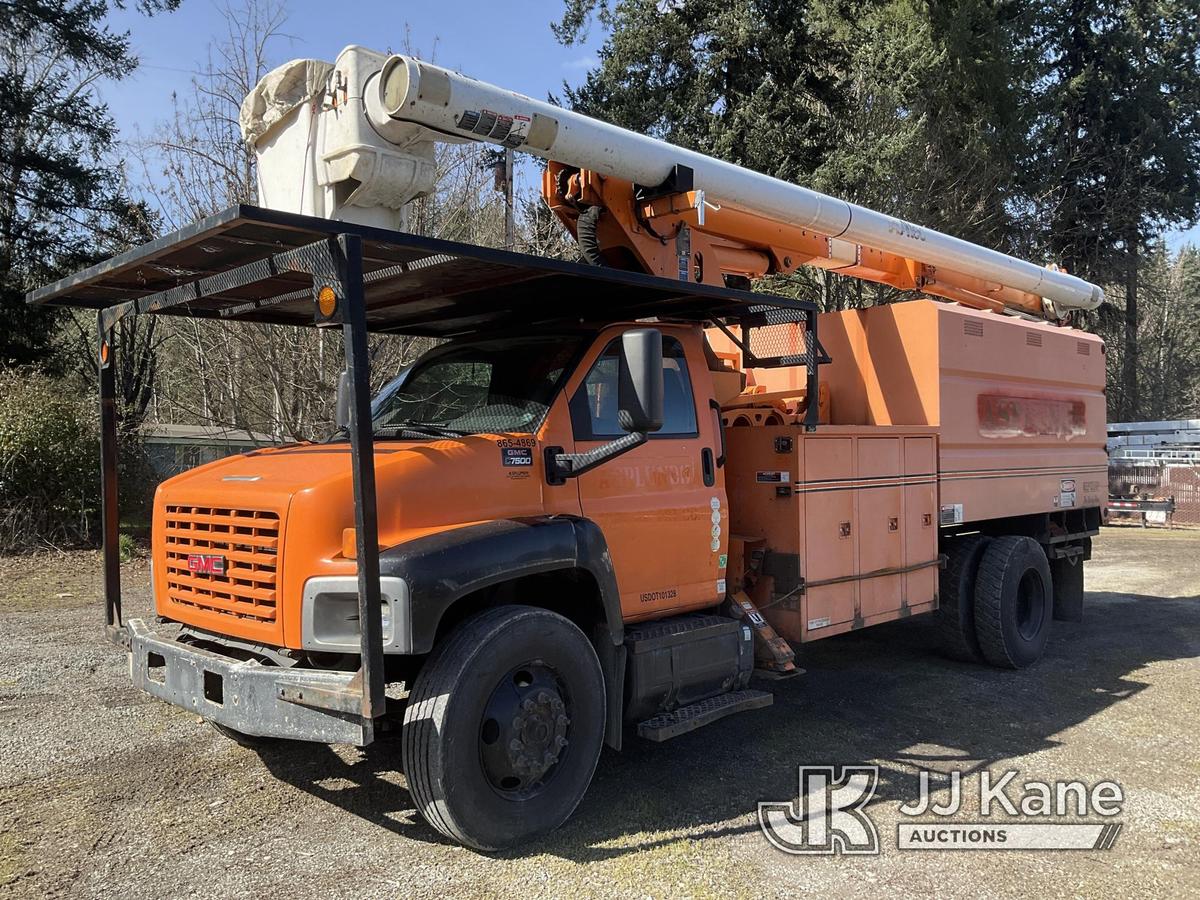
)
(504, 726)
(1013, 602)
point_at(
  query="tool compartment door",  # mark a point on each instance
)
(830, 532)
(880, 496)
(920, 519)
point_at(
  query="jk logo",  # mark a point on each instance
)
(827, 816)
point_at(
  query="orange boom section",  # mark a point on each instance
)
(684, 234)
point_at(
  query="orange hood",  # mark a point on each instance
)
(276, 517)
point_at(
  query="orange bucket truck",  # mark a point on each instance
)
(620, 492)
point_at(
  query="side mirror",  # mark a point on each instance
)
(640, 380)
(342, 404)
(639, 407)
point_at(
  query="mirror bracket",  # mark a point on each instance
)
(560, 466)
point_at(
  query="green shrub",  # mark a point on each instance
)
(127, 546)
(49, 462)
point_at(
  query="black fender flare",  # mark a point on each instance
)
(442, 568)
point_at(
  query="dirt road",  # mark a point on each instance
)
(104, 792)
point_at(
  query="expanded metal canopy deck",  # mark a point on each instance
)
(248, 264)
(257, 265)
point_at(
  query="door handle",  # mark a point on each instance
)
(706, 467)
(716, 407)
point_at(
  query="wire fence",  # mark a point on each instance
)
(1156, 479)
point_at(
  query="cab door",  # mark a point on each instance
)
(661, 506)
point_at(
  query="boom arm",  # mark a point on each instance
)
(650, 205)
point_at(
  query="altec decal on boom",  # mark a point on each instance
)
(362, 133)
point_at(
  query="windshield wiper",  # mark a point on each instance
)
(418, 427)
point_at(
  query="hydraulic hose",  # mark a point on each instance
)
(585, 235)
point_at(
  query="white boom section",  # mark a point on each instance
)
(410, 102)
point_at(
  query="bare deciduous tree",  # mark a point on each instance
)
(272, 380)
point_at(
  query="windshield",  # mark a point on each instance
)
(496, 386)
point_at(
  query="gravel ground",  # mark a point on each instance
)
(104, 792)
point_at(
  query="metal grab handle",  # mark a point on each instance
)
(716, 407)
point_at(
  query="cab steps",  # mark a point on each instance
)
(667, 725)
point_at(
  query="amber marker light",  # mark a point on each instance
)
(327, 301)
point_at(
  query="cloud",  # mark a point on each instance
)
(581, 63)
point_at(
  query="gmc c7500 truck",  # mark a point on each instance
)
(618, 493)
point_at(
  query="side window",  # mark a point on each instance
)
(594, 405)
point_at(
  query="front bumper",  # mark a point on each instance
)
(243, 695)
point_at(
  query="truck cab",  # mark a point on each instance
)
(461, 445)
(500, 500)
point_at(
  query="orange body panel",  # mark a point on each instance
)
(422, 487)
(847, 509)
(1018, 405)
(666, 530)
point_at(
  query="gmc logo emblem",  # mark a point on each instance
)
(206, 563)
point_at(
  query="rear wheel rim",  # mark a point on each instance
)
(1031, 605)
(523, 731)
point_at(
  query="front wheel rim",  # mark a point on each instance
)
(523, 732)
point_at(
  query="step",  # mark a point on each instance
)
(773, 675)
(667, 725)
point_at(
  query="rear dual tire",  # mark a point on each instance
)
(955, 615)
(1014, 602)
(995, 601)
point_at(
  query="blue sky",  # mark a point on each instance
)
(507, 42)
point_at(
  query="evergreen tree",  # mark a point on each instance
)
(934, 122)
(1116, 141)
(742, 80)
(909, 107)
(62, 201)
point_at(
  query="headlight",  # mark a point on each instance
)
(329, 618)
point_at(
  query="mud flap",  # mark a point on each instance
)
(612, 663)
(1067, 577)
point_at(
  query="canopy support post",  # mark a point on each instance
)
(110, 516)
(348, 255)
